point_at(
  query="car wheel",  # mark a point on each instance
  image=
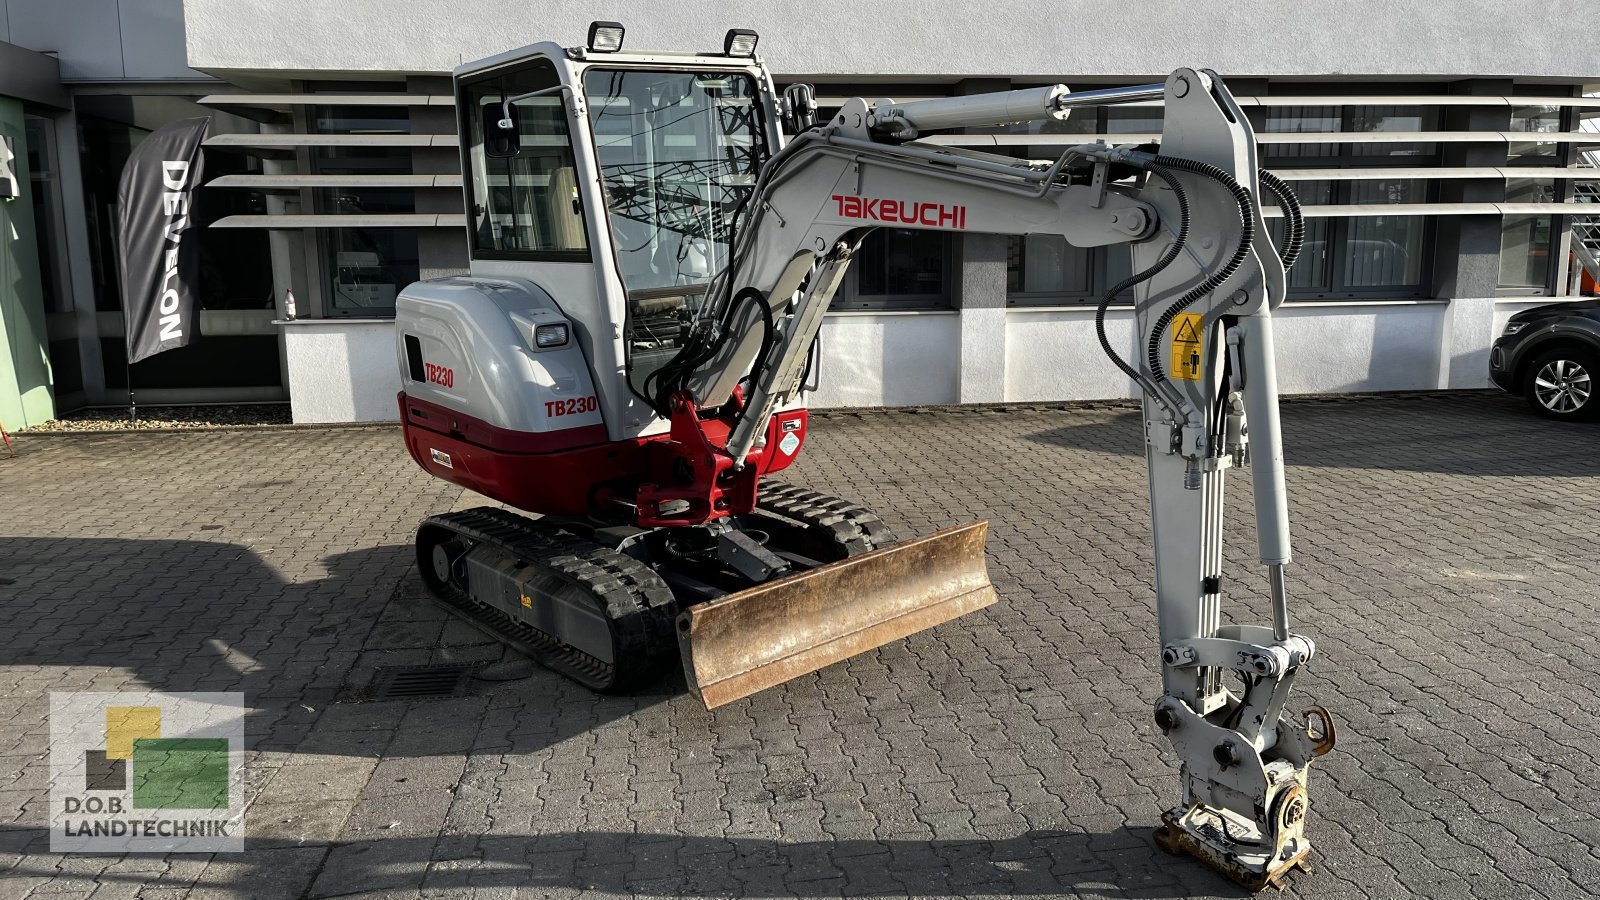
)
(1561, 384)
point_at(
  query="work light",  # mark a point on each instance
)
(740, 42)
(605, 37)
(550, 335)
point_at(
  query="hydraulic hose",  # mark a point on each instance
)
(1290, 204)
(1178, 241)
(722, 304)
(674, 374)
(1247, 235)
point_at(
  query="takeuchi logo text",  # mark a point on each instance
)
(902, 212)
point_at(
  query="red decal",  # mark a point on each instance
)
(908, 212)
(572, 407)
(440, 375)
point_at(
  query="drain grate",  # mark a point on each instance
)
(420, 682)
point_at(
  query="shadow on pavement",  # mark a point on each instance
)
(1464, 432)
(1118, 863)
(178, 615)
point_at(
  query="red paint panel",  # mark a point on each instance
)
(433, 417)
(568, 472)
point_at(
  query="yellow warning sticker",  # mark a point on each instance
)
(1186, 330)
(527, 602)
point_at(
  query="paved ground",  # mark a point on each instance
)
(1446, 565)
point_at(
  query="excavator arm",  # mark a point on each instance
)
(1208, 279)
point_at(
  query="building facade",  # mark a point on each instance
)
(1439, 150)
(81, 82)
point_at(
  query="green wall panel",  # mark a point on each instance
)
(25, 387)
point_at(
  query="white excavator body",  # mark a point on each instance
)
(655, 239)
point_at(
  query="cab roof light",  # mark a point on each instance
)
(739, 42)
(605, 37)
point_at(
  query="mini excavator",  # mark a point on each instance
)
(654, 240)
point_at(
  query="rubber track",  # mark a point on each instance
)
(849, 525)
(639, 605)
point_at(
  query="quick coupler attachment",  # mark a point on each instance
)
(1245, 764)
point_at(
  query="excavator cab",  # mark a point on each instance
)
(634, 165)
(603, 193)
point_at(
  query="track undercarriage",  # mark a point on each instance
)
(601, 604)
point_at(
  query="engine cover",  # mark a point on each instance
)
(468, 344)
(485, 407)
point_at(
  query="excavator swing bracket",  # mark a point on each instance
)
(690, 469)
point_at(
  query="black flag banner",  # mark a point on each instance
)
(155, 247)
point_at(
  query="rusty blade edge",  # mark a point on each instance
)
(717, 637)
(954, 533)
(841, 648)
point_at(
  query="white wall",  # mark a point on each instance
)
(1055, 355)
(342, 371)
(102, 40)
(345, 371)
(1355, 347)
(919, 37)
(889, 359)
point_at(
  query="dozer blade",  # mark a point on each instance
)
(737, 645)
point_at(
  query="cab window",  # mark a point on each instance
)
(525, 201)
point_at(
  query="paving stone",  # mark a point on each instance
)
(1009, 752)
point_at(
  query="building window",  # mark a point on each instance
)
(1364, 119)
(1047, 267)
(363, 269)
(1369, 119)
(48, 223)
(897, 268)
(368, 267)
(1530, 245)
(1525, 263)
(1300, 120)
(104, 146)
(1363, 255)
(1045, 270)
(1527, 242)
(1534, 119)
(1359, 256)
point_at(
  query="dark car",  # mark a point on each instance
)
(1551, 355)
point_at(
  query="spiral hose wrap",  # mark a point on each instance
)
(1247, 236)
(1281, 192)
(1178, 240)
